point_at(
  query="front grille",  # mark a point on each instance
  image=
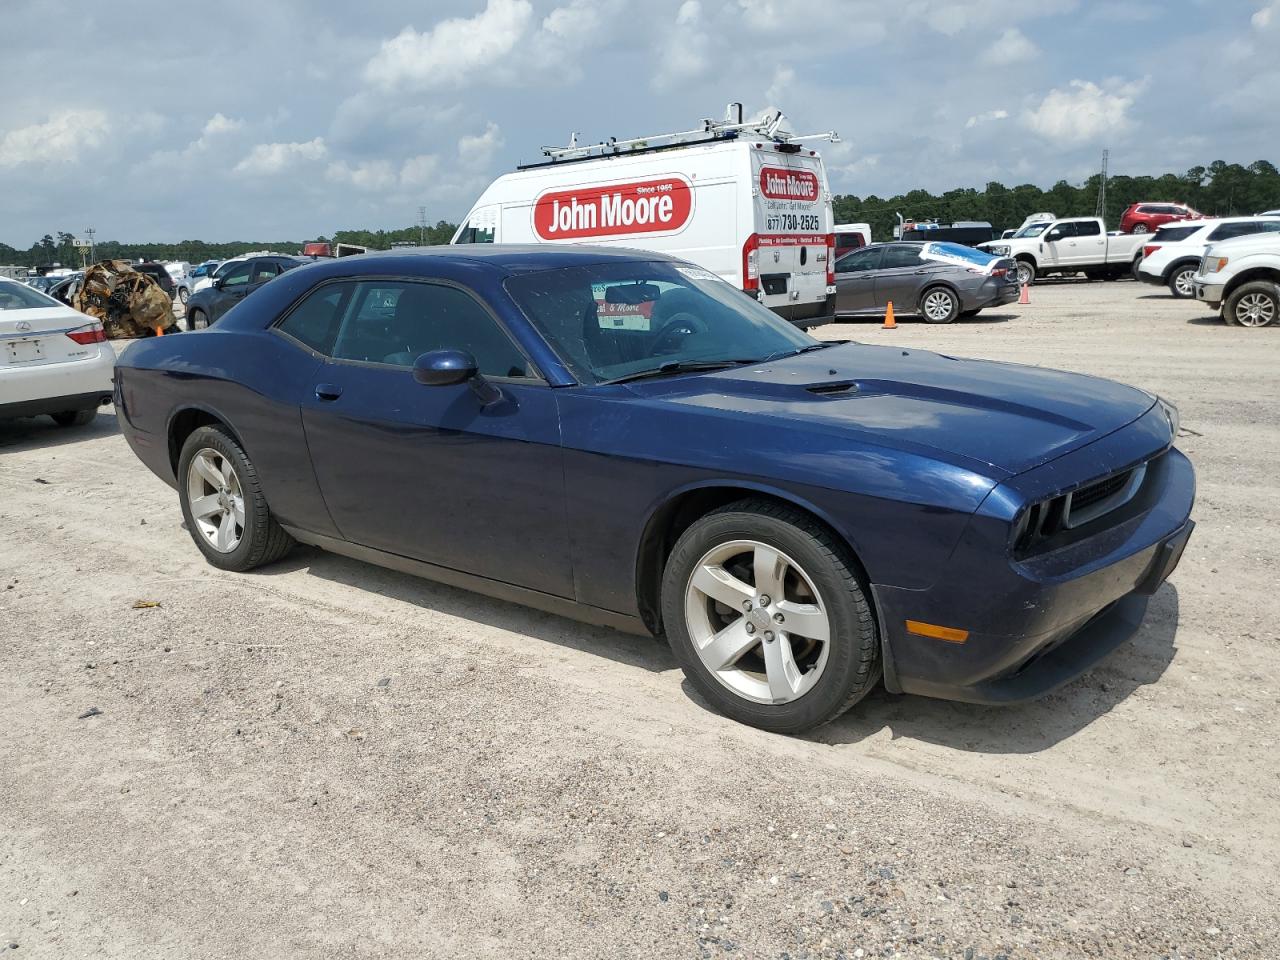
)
(1088, 496)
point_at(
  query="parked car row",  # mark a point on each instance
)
(1172, 257)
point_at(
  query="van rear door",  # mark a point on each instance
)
(788, 258)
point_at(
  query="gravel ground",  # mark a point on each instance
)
(329, 759)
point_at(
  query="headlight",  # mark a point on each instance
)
(1214, 265)
(1171, 412)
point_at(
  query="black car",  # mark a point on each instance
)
(208, 305)
(937, 281)
(159, 274)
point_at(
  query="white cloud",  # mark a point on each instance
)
(478, 151)
(1267, 15)
(1083, 111)
(987, 117)
(684, 53)
(370, 175)
(419, 171)
(453, 51)
(219, 124)
(784, 79)
(271, 158)
(64, 138)
(1010, 47)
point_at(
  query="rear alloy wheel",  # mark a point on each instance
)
(75, 418)
(1254, 304)
(1140, 228)
(767, 618)
(222, 503)
(1180, 282)
(197, 320)
(1026, 274)
(939, 305)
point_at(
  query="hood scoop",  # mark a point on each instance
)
(840, 389)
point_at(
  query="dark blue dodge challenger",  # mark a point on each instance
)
(626, 439)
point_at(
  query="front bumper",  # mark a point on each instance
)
(1035, 624)
(1209, 292)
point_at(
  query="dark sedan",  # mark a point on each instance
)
(626, 439)
(207, 306)
(938, 281)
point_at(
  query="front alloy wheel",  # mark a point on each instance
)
(1181, 284)
(757, 622)
(767, 617)
(1026, 274)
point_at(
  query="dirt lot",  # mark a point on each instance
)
(327, 759)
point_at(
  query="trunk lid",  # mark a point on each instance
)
(40, 335)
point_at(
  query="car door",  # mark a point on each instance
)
(1055, 248)
(900, 277)
(230, 289)
(855, 281)
(442, 474)
(1089, 244)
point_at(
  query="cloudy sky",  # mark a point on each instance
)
(284, 119)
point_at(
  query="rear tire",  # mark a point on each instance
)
(1141, 228)
(765, 667)
(223, 505)
(1254, 304)
(1180, 284)
(183, 295)
(939, 305)
(76, 418)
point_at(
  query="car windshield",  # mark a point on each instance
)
(1032, 230)
(957, 251)
(18, 296)
(612, 321)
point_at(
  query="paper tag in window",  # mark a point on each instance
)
(696, 273)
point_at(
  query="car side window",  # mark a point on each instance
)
(1062, 231)
(1088, 228)
(264, 270)
(238, 275)
(859, 262)
(396, 321)
(314, 321)
(901, 257)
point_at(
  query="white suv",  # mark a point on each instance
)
(1172, 256)
(1242, 276)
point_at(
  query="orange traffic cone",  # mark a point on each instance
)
(159, 331)
(889, 322)
(1025, 295)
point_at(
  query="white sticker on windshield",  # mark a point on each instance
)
(697, 273)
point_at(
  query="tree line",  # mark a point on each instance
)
(1220, 189)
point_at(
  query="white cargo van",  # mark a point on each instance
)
(746, 201)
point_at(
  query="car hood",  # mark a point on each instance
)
(972, 412)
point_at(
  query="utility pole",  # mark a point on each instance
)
(89, 232)
(1101, 212)
(422, 226)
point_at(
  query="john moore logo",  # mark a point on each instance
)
(779, 184)
(648, 206)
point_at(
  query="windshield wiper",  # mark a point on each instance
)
(679, 366)
(782, 354)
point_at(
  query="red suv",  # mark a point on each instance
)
(1146, 217)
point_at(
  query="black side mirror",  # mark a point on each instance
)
(444, 368)
(1054, 235)
(217, 284)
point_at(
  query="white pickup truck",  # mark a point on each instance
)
(1070, 245)
(1241, 276)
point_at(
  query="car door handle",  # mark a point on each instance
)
(328, 391)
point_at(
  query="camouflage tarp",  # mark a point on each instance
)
(129, 304)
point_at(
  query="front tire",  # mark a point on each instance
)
(1026, 273)
(1253, 304)
(222, 503)
(184, 295)
(939, 305)
(1180, 284)
(807, 649)
(197, 320)
(75, 418)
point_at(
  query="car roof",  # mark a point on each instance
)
(513, 257)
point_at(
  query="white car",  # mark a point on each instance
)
(216, 272)
(53, 360)
(180, 272)
(1172, 256)
(1242, 276)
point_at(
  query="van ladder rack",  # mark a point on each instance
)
(767, 126)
